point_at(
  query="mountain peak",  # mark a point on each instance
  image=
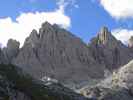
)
(45, 28)
(34, 34)
(46, 24)
(104, 30)
(11, 50)
(130, 43)
(104, 35)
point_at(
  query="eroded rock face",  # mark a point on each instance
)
(118, 86)
(130, 42)
(124, 76)
(108, 51)
(11, 50)
(2, 58)
(33, 39)
(104, 35)
(56, 53)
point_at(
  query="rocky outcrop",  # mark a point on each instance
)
(11, 50)
(130, 43)
(108, 51)
(2, 58)
(124, 76)
(33, 39)
(101, 93)
(119, 86)
(104, 36)
(57, 53)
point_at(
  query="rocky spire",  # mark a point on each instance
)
(46, 24)
(45, 28)
(32, 39)
(34, 34)
(13, 44)
(109, 51)
(130, 42)
(104, 35)
(11, 50)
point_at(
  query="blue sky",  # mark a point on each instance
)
(83, 18)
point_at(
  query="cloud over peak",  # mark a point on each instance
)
(25, 22)
(122, 34)
(119, 9)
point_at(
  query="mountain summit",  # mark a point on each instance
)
(109, 51)
(57, 53)
(104, 35)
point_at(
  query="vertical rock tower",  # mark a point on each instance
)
(130, 43)
(104, 35)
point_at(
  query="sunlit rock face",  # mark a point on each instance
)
(119, 86)
(124, 76)
(104, 35)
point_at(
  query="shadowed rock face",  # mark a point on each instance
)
(108, 51)
(11, 50)
(2, 58)
(15, 84)
(56, 53)
(130, 43)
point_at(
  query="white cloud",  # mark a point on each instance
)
(118, 8)
(65, 3)
(123, 34)
(25, 22)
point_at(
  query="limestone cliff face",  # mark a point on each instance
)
(108, 51)
(10, 52)
(124, 76)
(104, 36)
(56, 53)
(119, 86)
(130, 42)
